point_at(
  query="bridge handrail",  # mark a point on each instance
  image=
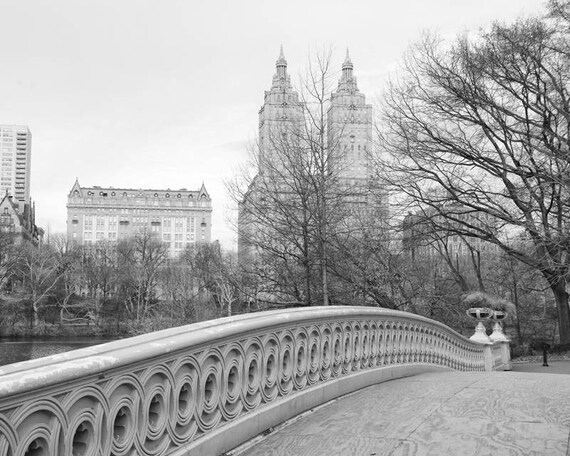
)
(182, 388)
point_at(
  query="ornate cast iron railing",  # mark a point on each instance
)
(205, 388)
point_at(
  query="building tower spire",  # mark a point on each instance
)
(281, 65)
(347, 82)
(281, 80)
(347, 68)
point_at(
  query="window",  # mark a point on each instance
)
(113, 223)
(178, 225)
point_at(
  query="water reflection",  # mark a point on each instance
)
(16, 350)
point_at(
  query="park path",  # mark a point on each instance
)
(438, 413)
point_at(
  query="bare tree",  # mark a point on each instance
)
(478, 135)
(39, 273)
(68, 291)
(299, 201)
(140, 260)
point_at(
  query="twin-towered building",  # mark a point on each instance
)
(178, 218)
(348, 124)
(339, 124)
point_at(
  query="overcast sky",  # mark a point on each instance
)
(165, 93)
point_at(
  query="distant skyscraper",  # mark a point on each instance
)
(16, 154)
(282, 130)
(349, 127)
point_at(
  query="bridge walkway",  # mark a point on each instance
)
(436, 413)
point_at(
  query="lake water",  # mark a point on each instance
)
(16, 350)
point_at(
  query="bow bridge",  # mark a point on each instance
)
(205, 388)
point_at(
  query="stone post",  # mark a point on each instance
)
(488, 354)
(506, 355)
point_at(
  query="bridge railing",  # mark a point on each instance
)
(205, 388)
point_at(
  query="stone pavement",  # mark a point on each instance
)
(554, 367)
(438, 413)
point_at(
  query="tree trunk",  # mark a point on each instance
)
(325, 282)
(306, 261)
(35, 321)
(516, 303)
(558, 287)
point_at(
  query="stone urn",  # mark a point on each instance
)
(480, 314)
(498, 334)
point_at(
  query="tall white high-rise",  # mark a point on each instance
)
(16, 154)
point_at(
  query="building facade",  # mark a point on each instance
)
(280, 116)
(444, 233)
(285, 130)
(178, 218)
(16, 153)
(349, 128)
(19, 221)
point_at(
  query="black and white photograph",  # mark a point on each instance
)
(303, 228)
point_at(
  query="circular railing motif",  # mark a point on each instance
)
(157, 405)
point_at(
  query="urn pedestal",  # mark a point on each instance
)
(480, 314)
(498, 334)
